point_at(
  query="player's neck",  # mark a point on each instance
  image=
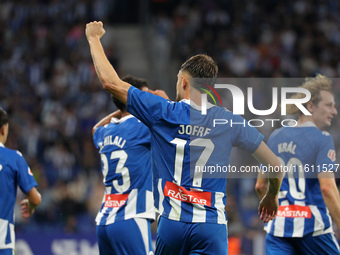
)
(195, 96)
(303, 119)
(125, 114)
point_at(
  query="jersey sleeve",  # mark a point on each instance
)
(245, 137)
(143, 134)
(25, 177)
(97, 136)
(325, 157)
(147, 107)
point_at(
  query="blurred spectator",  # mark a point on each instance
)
(47, 84)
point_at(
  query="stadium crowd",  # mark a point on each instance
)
(49, 87)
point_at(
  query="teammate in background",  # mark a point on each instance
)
(123, 222)
(303, 224)
(193, 219)
(14, 171)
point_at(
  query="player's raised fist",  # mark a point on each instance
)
(94, 30)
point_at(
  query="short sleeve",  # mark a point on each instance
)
(325, 157)
(143, 133)
(245, 137)
(97, 136)
(26, 180)
(147, 107)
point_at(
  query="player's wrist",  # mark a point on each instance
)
(271, 195)
(93, 39)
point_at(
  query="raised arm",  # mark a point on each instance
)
(106, 73)
(106, 120)
(269, 204)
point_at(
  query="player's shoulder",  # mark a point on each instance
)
(320, 134)
(12, 156)
(132, 121)
(317, 137)
(277, 132)
(128, 124)
(11, 152)
(222, 112)
(325, 133)
(178, 106)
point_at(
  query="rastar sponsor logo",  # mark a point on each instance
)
(180, 193)
(294, 211)
(331, 155)
(115, 200)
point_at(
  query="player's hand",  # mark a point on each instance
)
(94, 30)
(268, 208)
(26, 211)
(159, 92)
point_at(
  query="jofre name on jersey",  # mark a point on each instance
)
(193, 130)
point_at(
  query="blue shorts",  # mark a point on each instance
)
(181, 238)
(6, 252)
(307, 245)
(131, 236)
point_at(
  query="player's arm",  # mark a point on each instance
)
(29, 204)
(330, 195)
(269, 204)
(159, 92)
(106, 73)
(262, 184)
(106, 120)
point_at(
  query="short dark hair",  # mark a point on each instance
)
(201, 66)
(134, 81)
(3, 117)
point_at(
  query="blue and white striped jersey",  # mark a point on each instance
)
(14, 171)
(124, 147)
(183, 142)
(304, 151)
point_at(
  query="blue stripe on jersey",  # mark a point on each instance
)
(311, 223)
(8, 239)
(325, 218)
(213, 213)
(141, 207)
(180, 135)
(289, 224)
(187, 213)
